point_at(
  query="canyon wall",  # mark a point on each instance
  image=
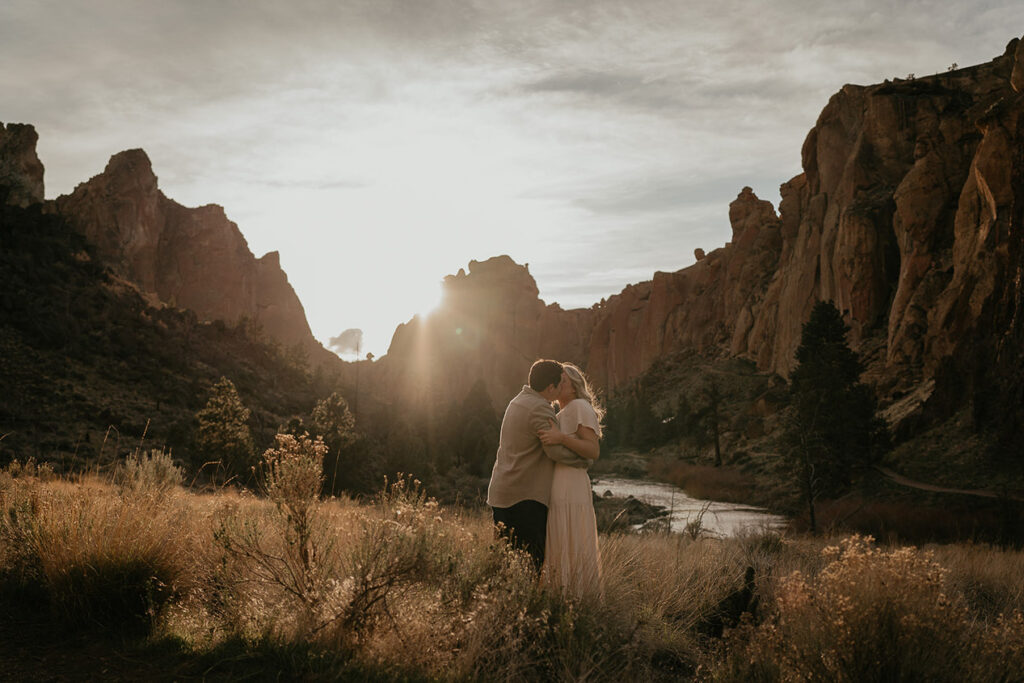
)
(902, 217)
(906, 215)
(194, 258)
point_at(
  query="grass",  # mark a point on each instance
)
(728, 484)
(232, 585)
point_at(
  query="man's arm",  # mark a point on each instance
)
(540, 418)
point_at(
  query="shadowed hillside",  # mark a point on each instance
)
(83, 351)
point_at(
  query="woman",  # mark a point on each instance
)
(572, 562)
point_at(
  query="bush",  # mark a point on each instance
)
(152, 473)
(292, 565)
(872, 615)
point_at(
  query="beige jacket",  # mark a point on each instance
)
(524, 466)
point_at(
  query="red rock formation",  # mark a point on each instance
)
(894, 215)
(21, 172)
(905, 216)
(709, 306)
(901, 217)
(490, 325)
(191, 258)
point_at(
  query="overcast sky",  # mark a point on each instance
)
(380, 145)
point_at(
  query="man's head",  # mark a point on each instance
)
(545, 376)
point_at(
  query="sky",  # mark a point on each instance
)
(380, 145)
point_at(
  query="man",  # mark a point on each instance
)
(521, 479)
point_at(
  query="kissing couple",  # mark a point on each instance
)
(540, 492)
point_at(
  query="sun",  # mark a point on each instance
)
(428, 299)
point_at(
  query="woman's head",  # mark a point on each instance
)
(580, 388)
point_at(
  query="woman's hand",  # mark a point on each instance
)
(552, 436)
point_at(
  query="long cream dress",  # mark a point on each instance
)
(572, 562)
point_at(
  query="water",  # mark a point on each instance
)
(720, 519)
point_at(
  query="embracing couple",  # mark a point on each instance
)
(540, 491)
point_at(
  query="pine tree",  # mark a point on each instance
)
(332, 420)
(223, 436)
(833, 434)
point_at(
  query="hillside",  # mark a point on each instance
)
(88, 366)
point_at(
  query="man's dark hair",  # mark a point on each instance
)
(544, 373)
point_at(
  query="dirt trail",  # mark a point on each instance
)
(985, 493)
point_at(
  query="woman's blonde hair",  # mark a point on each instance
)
(583, 389)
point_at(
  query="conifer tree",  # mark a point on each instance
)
(833, 434)
(332, 420)
(223, 436)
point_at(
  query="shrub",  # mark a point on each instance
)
(704, 481)
(30, 469)
(294, 561)
(152, 473)
(870, 615)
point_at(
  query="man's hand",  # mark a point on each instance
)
(552, 436)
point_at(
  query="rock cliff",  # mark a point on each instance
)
(908, 215)
(21, 172)
(492, 325)
(904, 216)
(193, 258)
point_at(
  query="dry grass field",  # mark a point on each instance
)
(284, 585)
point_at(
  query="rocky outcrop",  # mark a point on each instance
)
(904, 216)
(709, 306)
(21, 172)
(900, 217)
(491, 325)
(192, 258)
(908, 215)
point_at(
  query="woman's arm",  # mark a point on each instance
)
(583, 443)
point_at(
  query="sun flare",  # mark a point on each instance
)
(428, 299)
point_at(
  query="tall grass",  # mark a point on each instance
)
(97, 557)
(704, 481)
(402, 588)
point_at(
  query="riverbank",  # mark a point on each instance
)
(880, 506)
(681, 513)
(661, 492)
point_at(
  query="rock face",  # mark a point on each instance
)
(491, 325)
(904, 216)
(191, 258)
(709, 306)
(908, 215)
(901, 217)
(21, 172)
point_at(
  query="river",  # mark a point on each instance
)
(719, 519)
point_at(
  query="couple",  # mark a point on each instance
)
(540, 491)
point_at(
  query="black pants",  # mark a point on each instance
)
(526, 526)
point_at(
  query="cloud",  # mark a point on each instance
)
(660, 195)
(303, 184)
(349, 341)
